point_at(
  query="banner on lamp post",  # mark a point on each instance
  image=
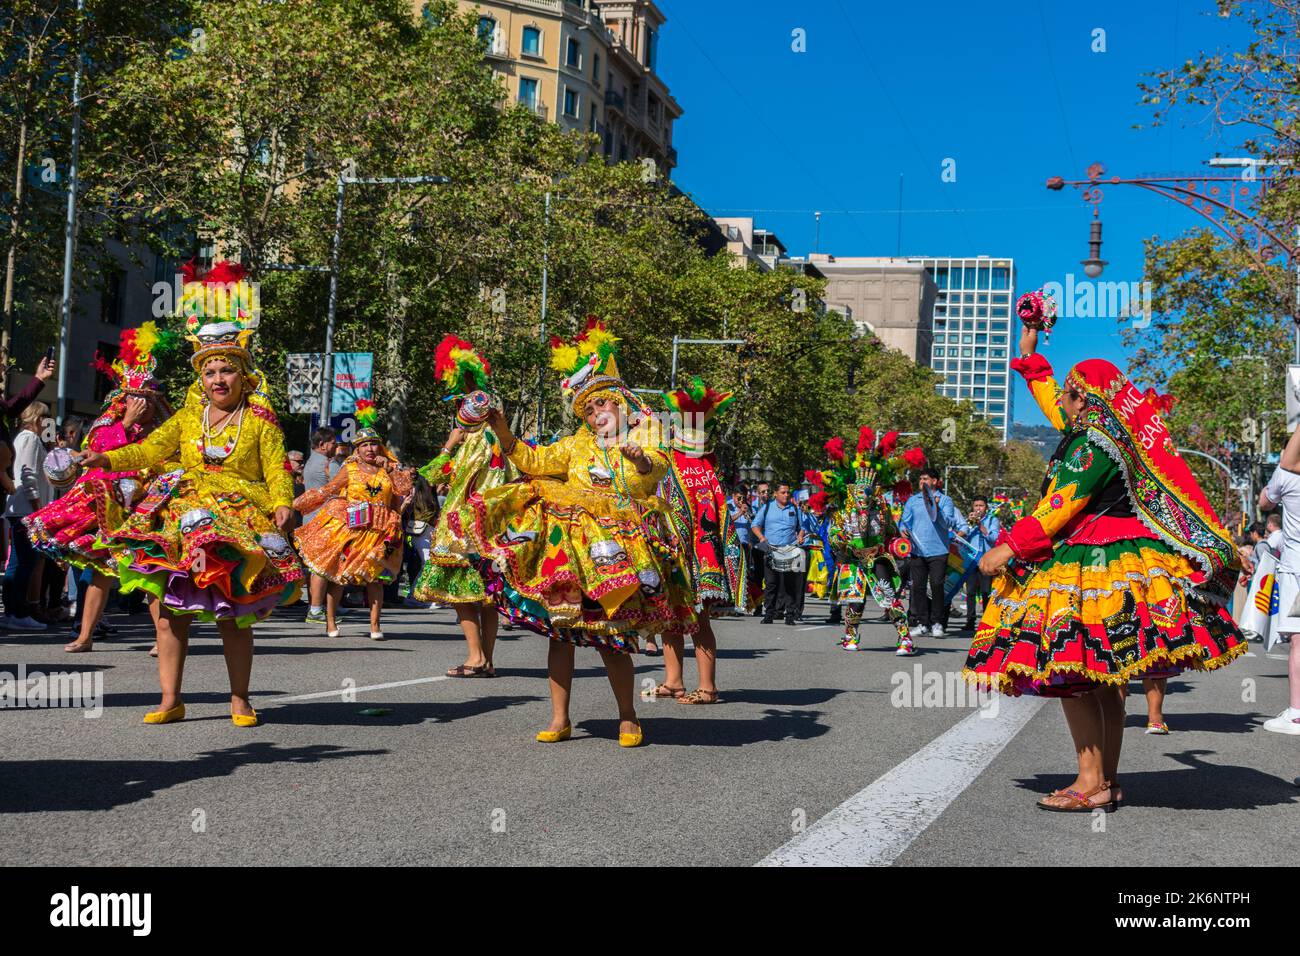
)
(353, 373)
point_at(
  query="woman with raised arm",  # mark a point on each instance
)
(208, 539)
(583, 551)
(1121, 569)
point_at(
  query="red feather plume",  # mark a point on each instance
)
(888, 442)
(866, 438)
(835, 448)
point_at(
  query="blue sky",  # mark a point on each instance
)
(1012, 92)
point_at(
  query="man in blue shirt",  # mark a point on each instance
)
(929, 520)
(984, 531)
(778, 524)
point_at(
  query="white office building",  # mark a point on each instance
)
(973, 326)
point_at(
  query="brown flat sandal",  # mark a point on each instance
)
(1079, 802)
(464, 670)
(663, 690)
(699, 696)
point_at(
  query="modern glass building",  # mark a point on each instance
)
(973, 325)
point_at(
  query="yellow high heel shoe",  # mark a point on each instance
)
(631, 740)
(165, 716)
(554, 736)
(244, 720)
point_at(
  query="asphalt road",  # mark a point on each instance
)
(810, 749)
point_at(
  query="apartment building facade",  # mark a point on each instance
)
(586, 65)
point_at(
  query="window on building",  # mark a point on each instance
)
(981, 338)
(573, 55)
(982, 298)
(532, 41)
(967, 311)
(939, 338)
(572, 103)
(1001, 277)
(591, 121)
(595, 70)
(651, 48)
(977, 392)
(941, 278)
(978, 378)
(528, 92)
(966, 338)
(609, 142)
(981, 352)
(997, 353)
(965, 366)
(487, 30)
(111, 299)
(952, 352)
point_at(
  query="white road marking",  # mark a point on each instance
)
(875, 826)
(815, 627)
(358, 690)
(1279, 657)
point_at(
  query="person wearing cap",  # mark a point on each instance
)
(584, 551)
(209, 538)
(355, 535)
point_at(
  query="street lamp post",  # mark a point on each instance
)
(1215, 198)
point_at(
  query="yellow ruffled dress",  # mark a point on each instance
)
(584, 545)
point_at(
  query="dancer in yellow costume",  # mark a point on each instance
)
(355, 536)
(208, 539)
(584, 551)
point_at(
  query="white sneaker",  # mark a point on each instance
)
(917, 631)
(376, 635)
(936, 630)
(1287, 722)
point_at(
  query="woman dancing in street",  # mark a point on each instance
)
(355, 536)
(68, 529)
(208, 539)
(1121, 568)
(586, 553)
(471, 461)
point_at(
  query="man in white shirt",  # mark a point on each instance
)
(1284, 489)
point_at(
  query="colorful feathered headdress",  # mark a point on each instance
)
(132, 372)
(695, 409)
(221, 311)
(874, 466)
(367, 415)
(589, 364)
(459, 365)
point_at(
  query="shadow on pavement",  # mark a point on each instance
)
(1209, 723)
(42, 786)
(1202, 786)
(792, 697)
(774, 726)
(338, 714)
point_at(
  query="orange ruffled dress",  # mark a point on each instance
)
(350, 554)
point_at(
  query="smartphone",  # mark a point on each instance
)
(49, 354)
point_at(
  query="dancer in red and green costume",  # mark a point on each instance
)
(863, 534)
(1121, 568)
(711, 548)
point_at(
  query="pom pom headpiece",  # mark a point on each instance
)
(695, 409)
(876, 466)
(590, 365)
(132, 372)
(221, 311)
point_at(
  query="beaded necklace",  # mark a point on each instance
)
(211, 453)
